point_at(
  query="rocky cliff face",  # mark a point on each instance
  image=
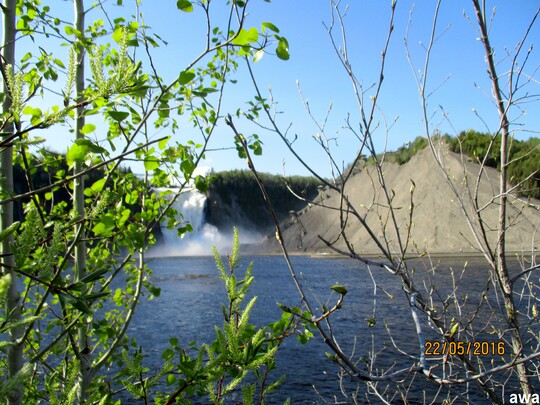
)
(425, 208)
(234, 199)
(226, 212)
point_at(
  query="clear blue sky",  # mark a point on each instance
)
(457, 72)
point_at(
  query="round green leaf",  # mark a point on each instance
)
(185, 77)
(88, 128)
(185, 6)
(151, 163)
(171, 379)
(77, 153)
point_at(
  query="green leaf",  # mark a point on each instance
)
(168, 354)
(26, 57)
(244, 37)
(151, 163)
(118, 34)
(339, 289)
(155, 291)
(303, 339)
(118, 115)
(284, 308)
(81, 306)
(96, 295)
(105, 226)
(77, 153)
(454, 329)
(98, 185)
(58, 62)
(185, 77)
(282, 50)
(332, 357)
(9, 230)
(22, 25)
(91, 145)
(163, 143)
(257, 148)
(34, 112)
(88, 128)
(94, 276)
(184, 5)
(270, 26)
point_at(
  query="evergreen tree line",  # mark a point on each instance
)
(524, 167)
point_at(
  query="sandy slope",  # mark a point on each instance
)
(438, 223)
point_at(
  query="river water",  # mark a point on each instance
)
(192, 296)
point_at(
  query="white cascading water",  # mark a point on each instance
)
(190, 206)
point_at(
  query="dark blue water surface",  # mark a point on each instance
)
(192, 296)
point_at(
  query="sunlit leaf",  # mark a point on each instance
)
(118, 34)
(98, 185)
(58, 62)
(339, 289)
(77, 153)
(184, 5)
(245, 37)
(88, 128)
(163, 143)
(454, 329)
(282, 50)
(151, 163)
(270, 26)
(185, 77)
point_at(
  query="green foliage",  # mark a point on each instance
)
(480, 146)
(524, 158)
(402, 155)
(405, 153)
(240, 358)
(122, 103)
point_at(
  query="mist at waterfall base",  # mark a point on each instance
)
(190, 206)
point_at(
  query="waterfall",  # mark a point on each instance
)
(190, 206)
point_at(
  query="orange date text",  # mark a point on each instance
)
(434, 348)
